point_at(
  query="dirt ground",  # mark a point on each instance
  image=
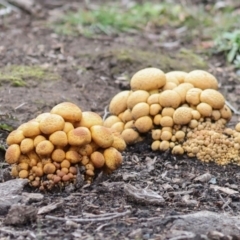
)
(89, 72)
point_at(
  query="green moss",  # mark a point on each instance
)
(18, 75)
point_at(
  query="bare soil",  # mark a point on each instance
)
(89, 73)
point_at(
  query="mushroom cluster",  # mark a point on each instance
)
(49, 148)
(184, 112)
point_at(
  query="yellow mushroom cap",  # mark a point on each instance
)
(118, 103)
(102, 136)
(42, 116)
(58, 155)
(166, 135)
(169, 98)
(15, 137)
(67, 127)
(118, 142)
(79, 136)
(113, 158)
(12, 154)
(204, 109)
(182, 115)
(73, 156)
(226, 112)
(126, 116)
(144, 124)
(148, 79)
(196, 114)
(59, 138)
(182, 90)
(155, 145)
(216, 115)
(176, 76)
(30, 129)
(166, 121)
(193, 96)
(70, 112)
(164, 145)
(154, 109)
(109, 121)
(167, 111)
(90, 119)
(119, 126)
(201, 79)
(169, 86)
(153, 98)
(51, 124)
(237, 127)
(177, 150)
(38, 139)
(137, 97)
(140, 110)
(212, 97)
(97, 159)
(23, 174)
(44, 148)
(26, 145)
(130, 136)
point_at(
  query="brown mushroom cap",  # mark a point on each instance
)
(212, 97)
(79, 136)
(169, 98)
(118, 103)
(97, 159)
(102, 136)
(182, 115)
(144, 124)
(193, 96)
(51, 124)
(90, 119)
(113, 158)
(49, 168)
(201, 79)
(137, 97)
(70, 112)
(148, 79)
(12, 154)
(15, 137)
(26, 145)
(44, 148)
(59, 138)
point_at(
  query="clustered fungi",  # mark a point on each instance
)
(48, 149)
(183, 111)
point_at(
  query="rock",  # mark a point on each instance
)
(31, 197)
(20, 215)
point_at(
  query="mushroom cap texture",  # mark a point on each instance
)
(45, 147)
(137, 97)
(148, 79)
(113, 158)
(90, 119)
(79, 136)
(51, 124)
(201, 79)
(97, 159)
(130, 136)
(69, 111)
(102, 136)
(15, 137)
(212, 97)
(12, 154)
(193, 96)
(176, 76)
(169, 98)
(144, 124)
(118, 103)
(182, 115)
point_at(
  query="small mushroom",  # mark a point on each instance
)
(70, 112)
(58, 155)
(193, 96)
(176, 77)
(97, 159)
(51, 124)
(79, 136)
(109, 121)
(49, 168)
(113, 158)
(136, 97)
(26, 145)
(118, 103)
(204, 109)
(30, 129)
(73, 156)
(15, 137)
(148, 79)
(59, 138)
(155, 145)
(12, 154)
(201, 79)
(140, 110)
(44, 148)
(144, 124)
(182, 115)
(169, 98)
(130, 136)
(118, 142)
(90, 119)
(212, 97)
(102, 136)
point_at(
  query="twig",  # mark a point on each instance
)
(106, 112)
(226, 203)
(82, 220)
(22, 104)
(235, 111)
